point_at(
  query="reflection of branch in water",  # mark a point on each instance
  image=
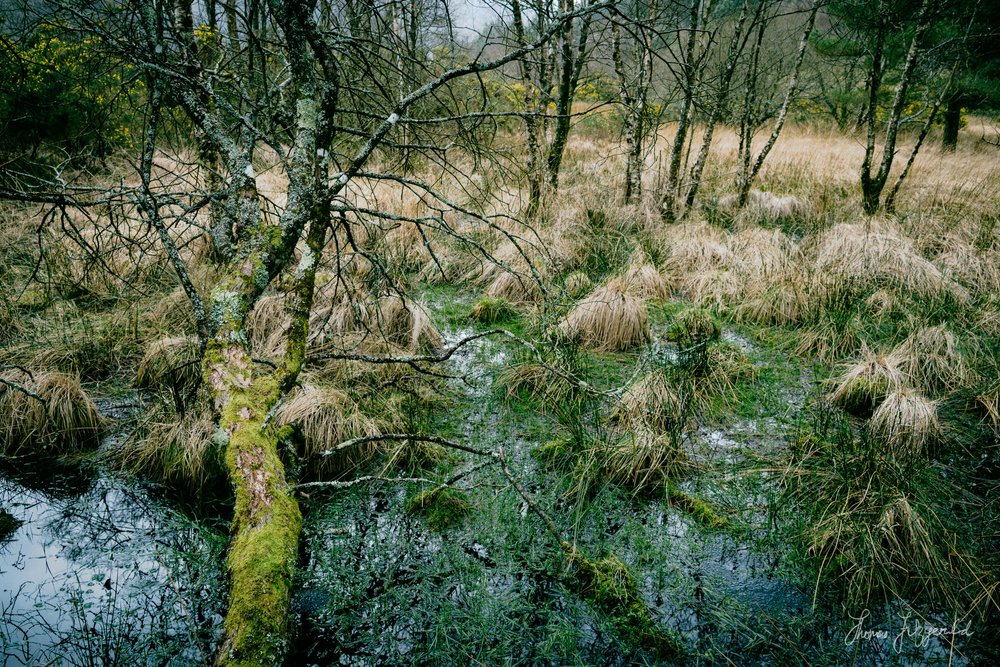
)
(99, 591)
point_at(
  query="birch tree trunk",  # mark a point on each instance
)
(873, 183)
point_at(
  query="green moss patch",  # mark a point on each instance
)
(441, 507)
(490, 310)
(610, 588)
(699, 510)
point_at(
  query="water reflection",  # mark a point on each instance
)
(101, 573)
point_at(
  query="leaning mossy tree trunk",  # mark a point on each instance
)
(257, 249)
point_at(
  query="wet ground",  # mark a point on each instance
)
(107, 571)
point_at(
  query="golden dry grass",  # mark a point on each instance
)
(177, 451)
(878, 254)
(652, 402)
(325, 417)
(865, 383)
(173, 362)
(932, 360)
(62, 419)
(609, 319)
(907, 423)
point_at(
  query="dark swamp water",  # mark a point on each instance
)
(107, 571)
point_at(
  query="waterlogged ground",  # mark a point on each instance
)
(102, 571)
(382, 587)
(106, 571)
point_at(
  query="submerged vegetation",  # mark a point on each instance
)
(475, 356)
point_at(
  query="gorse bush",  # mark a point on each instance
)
(67, 91)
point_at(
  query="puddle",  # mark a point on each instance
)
(101, 571)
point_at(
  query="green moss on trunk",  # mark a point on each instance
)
(266, 519)
(610, 588)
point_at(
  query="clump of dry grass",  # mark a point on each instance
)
(880, 527)
(763, 253)
(865, 383)
(931, 358)
(536, 381)
(831, 337)
(326, 417)
(489, 310)
(974, 268)
(172, 312)
(726, 364)
(765, 205)
(643, 459)
(782, 302)
(178, 451)
(340, 306)
(609, 319)
(644, 280)
(906, 422)
(875, 255)
(514, 272)
(577, 284)
(405, 246)
(653, 402)
(712, 288)
(695, 248)
(172, 362)
(406, 322)
(266, 326)
(59, 419)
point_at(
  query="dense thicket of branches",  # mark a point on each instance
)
(336, 93)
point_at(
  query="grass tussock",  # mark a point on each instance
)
(876, 526)
(864, 384)
(726, 365)
(577, 284)
(406, 323)
(609, 319)
(515, 273)
(644, 280)
(59, 419)
(182, 452)
(907, 423)
(654, 402)
(879, 254)
(932, 360)
(170, 363)
(325, 417)
(532, 380)
(766, 205)
(490, 310)
(643, 459)
(266, 327)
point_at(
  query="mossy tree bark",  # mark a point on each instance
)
(243, 393)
